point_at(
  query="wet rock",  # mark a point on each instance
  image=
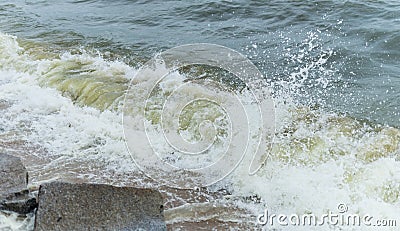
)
(22, 202)
(65, 206)
(14, 196)
(13, 175)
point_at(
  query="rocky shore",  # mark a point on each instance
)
(67, 206)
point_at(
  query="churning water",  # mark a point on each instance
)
(332, 66)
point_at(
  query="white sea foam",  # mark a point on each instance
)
(319, 159)
(11, 222)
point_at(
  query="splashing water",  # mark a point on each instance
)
(61, 113)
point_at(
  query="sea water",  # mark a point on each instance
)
(331, 66)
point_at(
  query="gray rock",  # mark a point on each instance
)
(13, 175)
(14, 196)
(22, 202)
(65, 206)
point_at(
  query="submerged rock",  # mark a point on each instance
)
(13, 175)
(65, 206)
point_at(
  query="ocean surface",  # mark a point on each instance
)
(333, 69)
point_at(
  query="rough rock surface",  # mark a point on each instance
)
(22, 202)
(65, 206)
(13, 175)
(14, 196)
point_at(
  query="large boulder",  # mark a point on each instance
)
(65, 206)
(13, 175)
